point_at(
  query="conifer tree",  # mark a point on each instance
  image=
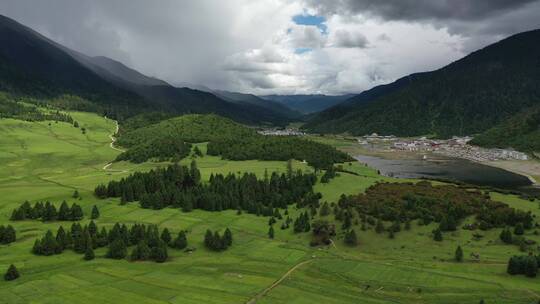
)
(506, 236)
(76, 212)
(12, 273)
(95, 213)
(49, 246)
(9, 235)
(351, 238)
(36, 249)
(228, 238)
(518, 229)
(181, 241)
(325, 209)
(64, 213)
(117, 249)
(458, 256)
(531, 267)
(437, 235)
(194, 172)
(209, 239)
(159, 253)
(271, 232)
(61, 237)
(89, 252)
(166, 236)
(141, 252)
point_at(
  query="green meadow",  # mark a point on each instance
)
(47, 161)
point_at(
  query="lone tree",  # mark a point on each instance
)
(437, 235)
(350, 238)
(89, 252)
(271, 232)
(519, 230)
(459, 254)
(95, 213)
(166, 236)
(12, 273)
(181, 241)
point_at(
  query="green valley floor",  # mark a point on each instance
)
(48, 161)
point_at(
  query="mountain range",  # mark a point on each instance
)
(308, 104)
(33, 65)
(493, 93)
(469, 96)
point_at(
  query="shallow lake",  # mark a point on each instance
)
(450, 169)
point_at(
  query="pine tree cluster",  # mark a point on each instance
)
(180, 187)
(149, 243)
(302, 223)
(47, 212)
(524, 264)
(215, 242)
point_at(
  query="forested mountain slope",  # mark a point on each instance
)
(468, 96)
(521, 132)
(33, 66)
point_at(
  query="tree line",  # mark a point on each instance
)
(48, 212)
(180, 187)
(149, 242)
(19, 108)
(317, 155)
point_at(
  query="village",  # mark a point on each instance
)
(454, 147)
(281, 132)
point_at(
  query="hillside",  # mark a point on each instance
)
(30, 64)
(33, 66)
(466, 97)
(521, 132)
(172, 138)
(307, 104)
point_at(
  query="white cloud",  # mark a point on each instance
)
(253, 46)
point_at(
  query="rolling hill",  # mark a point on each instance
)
(172, 138)
(466, 97)
(33, 65)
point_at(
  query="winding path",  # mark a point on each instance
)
(113, 140)
(276, 283)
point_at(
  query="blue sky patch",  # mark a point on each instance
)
(302, 50)
(312, 20)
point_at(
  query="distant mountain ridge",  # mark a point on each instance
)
(308, 104)
(33, 65)
(466, 97)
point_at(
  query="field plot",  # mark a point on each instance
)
(47, 161)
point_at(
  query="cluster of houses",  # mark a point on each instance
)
(283, 132)
(454, 147)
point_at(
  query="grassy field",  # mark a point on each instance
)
(42, 161)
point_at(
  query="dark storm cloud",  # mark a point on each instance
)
(482, 21)
(465, 10)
